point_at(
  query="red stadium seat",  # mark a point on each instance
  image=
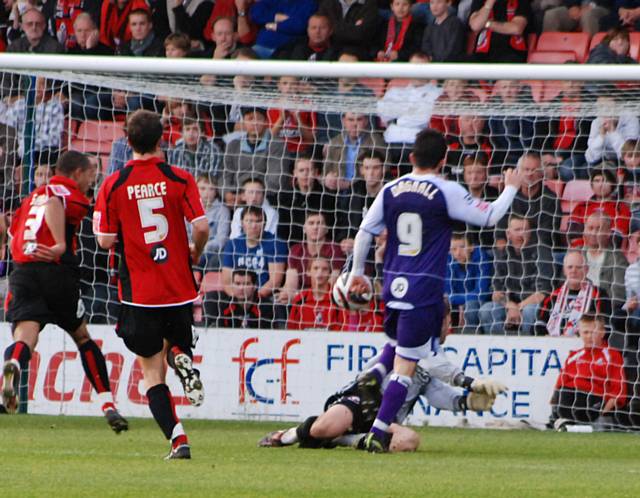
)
(532, 42)
(575, 192)
(552, 41)
(634, 38)
(96, 136)
(556, 186)
(551, 57)
(211, 282)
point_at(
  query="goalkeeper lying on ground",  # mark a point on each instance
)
(349, 413)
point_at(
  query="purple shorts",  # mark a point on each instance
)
(416, 331)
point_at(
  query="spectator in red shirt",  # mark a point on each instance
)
(313, 308)
(604, 199)
(316, 244)
(471, 140)
(592, 383)
(246, 31)
(296, 128)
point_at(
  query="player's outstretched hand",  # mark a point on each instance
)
(489, 387)
(480, 402)
(358, 285)
(513, 177)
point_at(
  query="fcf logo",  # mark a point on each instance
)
(249, 365)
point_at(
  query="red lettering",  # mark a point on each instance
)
(50, 391)
(133, 386)
(34, 365)
(117, 362)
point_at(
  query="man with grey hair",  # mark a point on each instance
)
(35, 40)
(561, 310)
(535, 202)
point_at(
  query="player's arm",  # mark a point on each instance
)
(105, 226)
(54, 218)
(461, 206)
(372, 225)
(199, 238)
(106, 241)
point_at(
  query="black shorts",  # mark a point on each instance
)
(362, 419)
(45, 293)
(143, 330)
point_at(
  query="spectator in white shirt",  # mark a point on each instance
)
(609, 131)
(406, 110)
(253, 195)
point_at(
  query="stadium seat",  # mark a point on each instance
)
(634, 38)
(551, 57)
(556, 186)
(96, 136)
(211, 282)
(471, 42)
(552, 41)
(377, 85)
(575, 192)
(532, 42)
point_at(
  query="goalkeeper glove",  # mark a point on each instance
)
(479, 402)
(488, 386)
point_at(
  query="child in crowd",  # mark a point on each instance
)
(218, 218)
(591, 384)
(313, 308)
(444, 39)
(173, 114)
(177, 45)
(252, 194)
(403, 34)
(468, 280)
(295, 127)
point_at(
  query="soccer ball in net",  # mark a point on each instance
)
(349, 300)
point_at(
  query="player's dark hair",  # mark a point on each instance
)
(429, 149)
(144, 131)
(243, 272)
(71, 161)
(254, 210)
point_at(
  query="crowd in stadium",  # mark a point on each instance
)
(285, 191)
(293, 186)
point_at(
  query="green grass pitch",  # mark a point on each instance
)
(78, 456)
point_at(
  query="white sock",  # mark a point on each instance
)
(289, 437)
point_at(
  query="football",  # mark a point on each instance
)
(350, 301)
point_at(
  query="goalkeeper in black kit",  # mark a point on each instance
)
(350, 412)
